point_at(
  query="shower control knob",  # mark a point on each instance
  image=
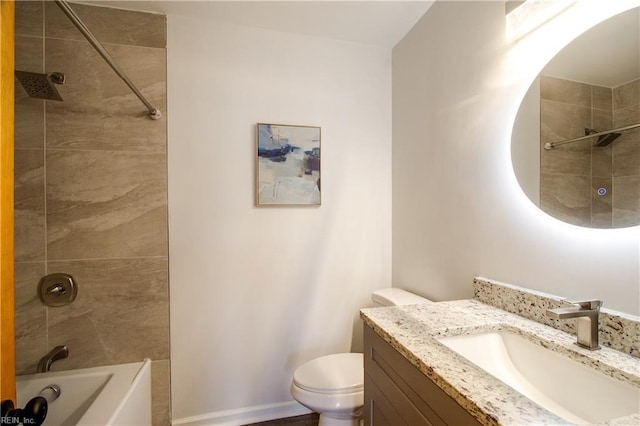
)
(58, 289)
(602, 192)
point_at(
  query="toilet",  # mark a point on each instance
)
(333, 385)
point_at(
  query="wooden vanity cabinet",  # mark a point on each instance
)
(397, 393)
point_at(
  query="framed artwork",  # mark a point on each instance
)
(287, 165)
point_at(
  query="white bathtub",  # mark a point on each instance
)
(111, 395)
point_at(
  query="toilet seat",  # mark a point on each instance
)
(332, 374)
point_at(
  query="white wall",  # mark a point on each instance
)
(255, 292)
(458, 211)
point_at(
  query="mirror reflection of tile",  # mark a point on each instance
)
(582, 183)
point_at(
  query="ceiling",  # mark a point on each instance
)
(379, 23)
(592, 58)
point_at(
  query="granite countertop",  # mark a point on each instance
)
(412, 331)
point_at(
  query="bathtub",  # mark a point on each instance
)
(110, 395)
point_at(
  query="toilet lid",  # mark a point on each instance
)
(331, 374)
(396, 297)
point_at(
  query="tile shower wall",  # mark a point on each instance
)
(91, 193)
(572, 174)
(626, 155)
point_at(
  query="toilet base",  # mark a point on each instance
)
(339, 402)
(325, 420)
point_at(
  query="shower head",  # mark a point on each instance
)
(40, 85)
(605, 140)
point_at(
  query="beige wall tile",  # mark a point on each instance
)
(601, 156)
(29, 205)
(601, 202)
(626, 205)
(28, 54)
(565, 91)
(567, 159)
(160, 391)
(121, 313)
(30, 18)
(106, 198)
(602, 98)
(566, 197)
(29, 112)
(559, 122)
(601, 120)
(626, 116)
(99, 110)
(108, 25)
(30, 317)
(561, 118)
(626, 95)
(626, 154)
(103, 204)
(563, 121)
(602, 161)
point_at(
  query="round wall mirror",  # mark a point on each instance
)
(576, 138)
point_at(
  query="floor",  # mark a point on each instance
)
(306, 420)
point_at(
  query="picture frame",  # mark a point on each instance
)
(288, 165)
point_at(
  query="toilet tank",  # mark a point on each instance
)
(396, 297)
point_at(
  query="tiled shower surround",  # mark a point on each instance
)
(91, 193)
(572, 174)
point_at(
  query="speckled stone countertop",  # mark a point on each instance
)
(412, 330)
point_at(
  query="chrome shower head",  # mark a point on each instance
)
(40, 85)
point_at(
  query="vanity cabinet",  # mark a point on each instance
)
(397, 393)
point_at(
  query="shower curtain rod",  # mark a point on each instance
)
(154, 113)
(550, 145)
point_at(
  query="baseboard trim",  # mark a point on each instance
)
(246, 415)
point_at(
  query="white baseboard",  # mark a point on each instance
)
(246, 415)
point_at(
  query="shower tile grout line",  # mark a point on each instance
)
(92, 259)
(44, 178)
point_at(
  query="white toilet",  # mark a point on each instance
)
(333, 385)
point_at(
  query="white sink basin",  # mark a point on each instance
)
(567, 388)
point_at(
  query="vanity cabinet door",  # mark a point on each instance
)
(397, 393)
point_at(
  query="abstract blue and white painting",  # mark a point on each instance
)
(288, 165)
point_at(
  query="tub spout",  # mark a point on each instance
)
(59, 352)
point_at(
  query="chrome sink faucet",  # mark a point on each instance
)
(586, 312)
(59, 352)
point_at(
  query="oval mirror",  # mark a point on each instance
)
(576, 138)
